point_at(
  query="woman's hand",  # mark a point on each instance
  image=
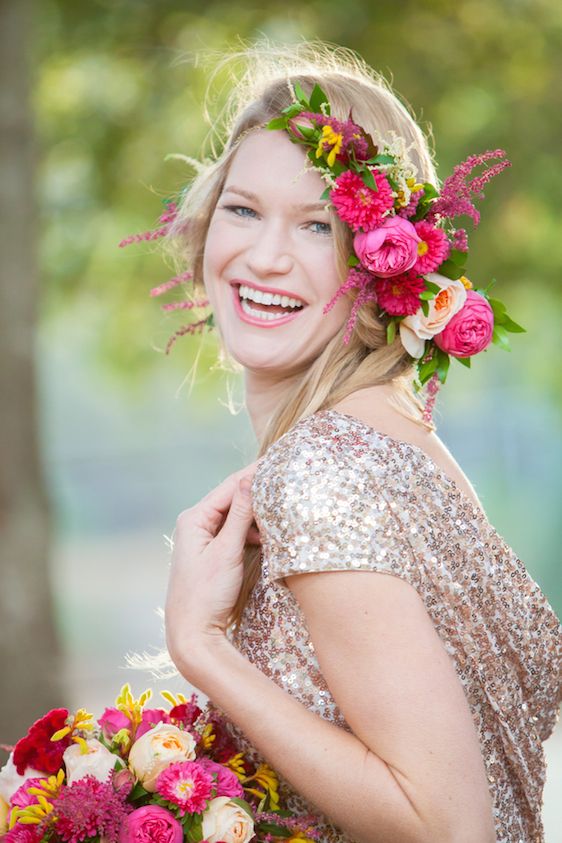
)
(207, 568)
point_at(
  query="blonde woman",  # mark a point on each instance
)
(344, 601)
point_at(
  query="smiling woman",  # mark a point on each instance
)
(381, 646)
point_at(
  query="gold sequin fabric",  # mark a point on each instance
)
(334, 494)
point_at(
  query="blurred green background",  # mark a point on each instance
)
(124, 443)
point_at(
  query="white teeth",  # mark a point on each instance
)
(267, 298)
(260, 314)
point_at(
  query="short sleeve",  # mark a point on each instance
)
(320, 508)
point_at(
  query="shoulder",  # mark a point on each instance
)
(323, 501)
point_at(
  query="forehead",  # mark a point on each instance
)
(268, 164)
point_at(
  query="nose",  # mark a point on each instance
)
(270, 251)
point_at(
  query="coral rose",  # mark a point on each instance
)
(156, 750)
(417, 328)
(226, 821)
(390, 249)
(151, 824)
(470, 330)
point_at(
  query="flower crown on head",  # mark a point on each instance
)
(408, 257)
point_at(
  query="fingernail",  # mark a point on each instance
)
(245, 487)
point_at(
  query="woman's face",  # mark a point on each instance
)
(271, 234)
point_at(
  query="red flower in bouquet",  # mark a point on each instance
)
(37, 749)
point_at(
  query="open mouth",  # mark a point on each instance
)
(266, 306)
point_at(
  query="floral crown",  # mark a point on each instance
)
(408, 257)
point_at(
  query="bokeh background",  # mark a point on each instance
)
(103, 437)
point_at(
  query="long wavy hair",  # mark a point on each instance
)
(257, 95)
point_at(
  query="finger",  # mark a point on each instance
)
(212, 509)
(238, 521)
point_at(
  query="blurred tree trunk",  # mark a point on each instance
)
(28, 645)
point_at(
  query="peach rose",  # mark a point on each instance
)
(156, 750)
(417, 328)
(97, 761)
(226, 821)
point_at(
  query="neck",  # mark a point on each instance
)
(264, 394)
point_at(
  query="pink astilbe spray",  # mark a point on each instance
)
(165, 219)
(355, 278)
(455, 196)
(304, 824)
(192, 328)
(89, 808)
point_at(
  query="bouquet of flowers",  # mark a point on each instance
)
(140, 774)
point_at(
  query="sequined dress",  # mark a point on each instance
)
(334, 494)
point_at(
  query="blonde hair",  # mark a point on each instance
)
(258, 95)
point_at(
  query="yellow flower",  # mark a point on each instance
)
(465, 282)
(334, 139)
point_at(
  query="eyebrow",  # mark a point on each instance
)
(312, 206)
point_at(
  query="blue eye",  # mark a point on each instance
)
(235, 208)
(327, 227)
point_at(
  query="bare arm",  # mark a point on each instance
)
(412, 769)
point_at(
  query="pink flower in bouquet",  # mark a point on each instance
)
(471, 328)
(228, 783)
(23, 834)
(187, 785)
(21, 798)
(150, 717)
(112, 721)
(157, 749)
(417, 328)
(358, 205)
(400, 295)
(151, 824)
(390, 249)
(185, 714)
(92, 758)
(433, 249)
(89, 808)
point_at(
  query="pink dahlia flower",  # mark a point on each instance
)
(358, 205)
(228, 783)
(400, 295)
(470, 329)
(187, 784)
(433, 249)
(390, 249)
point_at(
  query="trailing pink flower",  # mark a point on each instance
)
(365, 295)
(433, 249)
(455, 196)
(358, 205)
(187, 784)
(356, 277)
(410, 209)
(460, 240)
(89, 808)
(400, 295)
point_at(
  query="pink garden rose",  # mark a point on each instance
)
(390, 249)
(112, 721)
(228, 783)
(470, 330)
(151, 824)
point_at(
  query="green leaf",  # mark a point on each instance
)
(464, 360)
(352, 260)
(293, 109)
(427, 368)
(326, 193)
(382, 159)
(425, 308)
(300, 94)
(510, 325)
(427, 295)
(242, 804)
(277, 123)
(458, 257)
(496, 305)
(443, 362)
(431, 285)
(390, 332)
(276, 830)
(137, 792)
(449, 270)
(499, 337)
(317, 97)
(369, 179)
(429, 192)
